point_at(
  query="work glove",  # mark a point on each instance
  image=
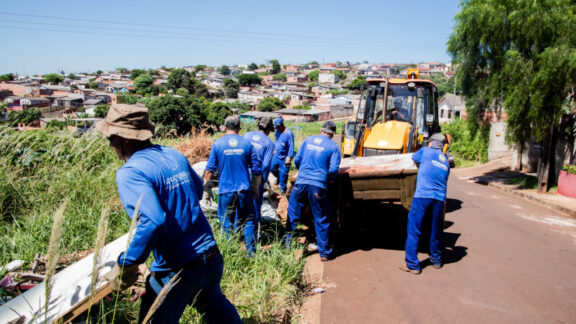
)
(255, 184)
(121, 278)
(288, 161)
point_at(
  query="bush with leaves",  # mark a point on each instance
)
(231, 88)
(25, 117)
(127, 99)
(101, 110)
(181, 115)
(271, 104)
(53, 78)
(313, 76)
(248, 79)
(467, 145)
(217, 112)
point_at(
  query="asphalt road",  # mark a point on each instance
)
(506, 261)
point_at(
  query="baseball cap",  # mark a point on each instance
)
(438, 140)
(127, 121)
(278, 121)
(329, 126)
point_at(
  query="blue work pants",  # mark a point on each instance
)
(318, 199)
(235, 210)
(420, 209)
(280, 171)
(198, 286)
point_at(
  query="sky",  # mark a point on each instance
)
(41, 36)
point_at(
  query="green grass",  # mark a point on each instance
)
(527, 182)
(41, 170)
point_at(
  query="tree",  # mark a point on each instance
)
(53, 78)
(253, 66)
(122, 70)
(518, 55)
(280, 77)
(25, 116)
(72, 76)
(200, 67)
(73, 87)
(313, 75)
(92, 85)
(144, 84)
(271, 104)
(303, 107)
(224, 70)
(357, 83)
(217, 112)
(182, 92)
(101, 110)
(445, 85)
(7, 77)
(276, 68)
(241, 106)
(341, 74)
(231, 88)
(171, 113)
(179, 78)
(136, 73)
(248, 79)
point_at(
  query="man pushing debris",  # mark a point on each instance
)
(159, 182)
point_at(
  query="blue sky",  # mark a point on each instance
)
(75, 36)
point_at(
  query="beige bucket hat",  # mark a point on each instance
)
(127, 121)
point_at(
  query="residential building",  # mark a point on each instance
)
(328, 78)
(451, 107)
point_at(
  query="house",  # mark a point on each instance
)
(34, 102)
(21, 89)
(297, 78)
(291, 68)
(328, 78)
(254, 116)
(304, 115)
(250, 97)
(91, 104)
(117, 88)
(69, 102)
(451, 107)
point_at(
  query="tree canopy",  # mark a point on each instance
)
(7, 77)
(144, 84)
(180, 78)
(252, 66)
(276, 68)
(171, 113)
(224, 70)
(271, 104)
(231, 88)
(357, 83)
(248, 79)
(519, 55)
(313, 75)
(53, 78)
(136, 73)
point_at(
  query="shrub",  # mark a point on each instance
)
(466, 144)
(571, 169)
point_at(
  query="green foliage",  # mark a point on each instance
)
(73, 87)
(182, 92)
(271, 104)
(72, 76)
(280, 77)
(127, 99)
(136, 73)
(92, 85)
(53, 78)
(144, 84)
(231, 88)
(304, 107)
(248, 79)
(241, 106)
(180, 78)
(122, 70)
(357, 83)
(253, 66)
(518, 53)
(171, 114)
(338, 91)
(7, 77)
(101, 110)
(445, 85)
(569, 168)
(524, 182)
(467, 145)
(340, 74)
(224, 70)
(55, 125)
(262, 73)
(313, 75)
(26, 116)
(313, 63)
(153, 72)
(200, 67)
(276, 68)
(217, 112)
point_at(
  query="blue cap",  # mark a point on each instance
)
(329, 126)
(278, 121)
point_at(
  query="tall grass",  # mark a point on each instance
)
(41, 170)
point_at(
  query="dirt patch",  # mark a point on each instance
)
(196, 147)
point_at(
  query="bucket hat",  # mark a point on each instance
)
(127, 121)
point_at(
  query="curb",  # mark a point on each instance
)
(532, 199)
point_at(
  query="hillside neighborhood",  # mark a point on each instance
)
(307, 92)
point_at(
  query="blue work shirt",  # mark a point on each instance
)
(171, 223)
(433, 172)
(233, 157)
(264, 148)
(317, 160)
(284, 146)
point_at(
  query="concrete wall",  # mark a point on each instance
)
(497, 147)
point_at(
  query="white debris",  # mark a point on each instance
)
(318, 290)
(268, 212)
(12, 266)
(199, 168)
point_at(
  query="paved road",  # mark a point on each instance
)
(507, 261)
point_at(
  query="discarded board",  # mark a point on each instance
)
(71, 291)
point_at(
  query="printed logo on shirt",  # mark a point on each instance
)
(313, 147)
(237, 151)
(317, 140)
(441, 158)
(233, 142)
(178, 179)
(439, 165)
(256, 137)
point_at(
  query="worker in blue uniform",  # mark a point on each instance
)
(283, 153)
(317, 160)
(264, 148)
(158, 186)
(239, 177)
(429, 200)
